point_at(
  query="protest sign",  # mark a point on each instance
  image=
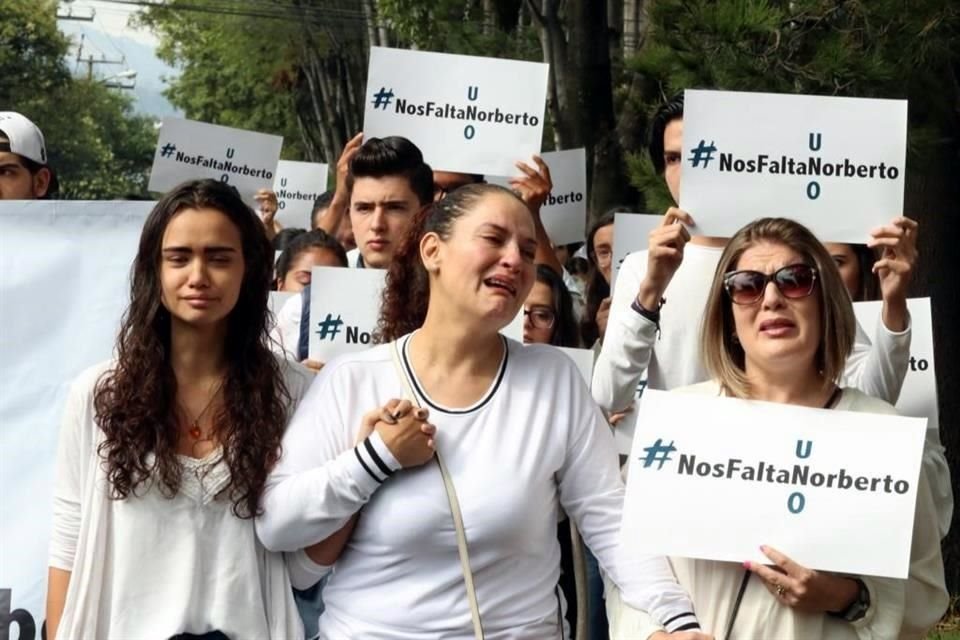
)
(918, 397)
(583, 358)
(631, 232)
(564, 214)
(514, 330)
(297, 185)
(188, 150)
(344, 305)
(788, 476)
(466, 114)
(626, 427)
(65, 302)
(837, 165)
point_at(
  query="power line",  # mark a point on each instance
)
(289, 13)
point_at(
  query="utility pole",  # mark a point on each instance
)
(90, 60)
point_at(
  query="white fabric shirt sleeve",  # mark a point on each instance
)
(322, 478)
(878, 369)
(591, 492)
(927, 596)
(72, 453)
(627, 344)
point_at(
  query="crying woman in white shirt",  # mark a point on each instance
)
(517, 430)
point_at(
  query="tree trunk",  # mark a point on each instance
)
(932, 191)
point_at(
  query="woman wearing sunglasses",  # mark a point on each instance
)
(778, 327)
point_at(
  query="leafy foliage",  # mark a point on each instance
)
(882, 48)
(97, 146)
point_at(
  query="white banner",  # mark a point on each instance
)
(297, 185)
(466, 113)
(794, 478)
(188, 150)
(837, 165)
(64, 269)
(564, 214)
(918, 397)
(631, 232)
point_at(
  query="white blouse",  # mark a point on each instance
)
(151, 566)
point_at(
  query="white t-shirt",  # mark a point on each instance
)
(632, 347)
(533, 443)
(151, 566)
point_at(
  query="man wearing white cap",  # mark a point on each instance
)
(24, 173)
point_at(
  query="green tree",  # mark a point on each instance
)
(288, 67)
(97, 146)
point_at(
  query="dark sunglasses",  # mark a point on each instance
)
(794, 281)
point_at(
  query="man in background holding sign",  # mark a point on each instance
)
(652, 328)
(384, 182)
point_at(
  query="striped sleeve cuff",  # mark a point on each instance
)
(375, 459)
(682, 622)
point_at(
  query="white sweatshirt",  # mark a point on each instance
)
(150, 566)
(631, 346)
(533, 443)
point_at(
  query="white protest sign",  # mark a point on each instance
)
(918, 397)
(297, 185)
(466, 114)
(583, 358)
(188, 150)
(798, 479)
(626, 427)
(837, 165)
(344, 306)
(276, 301)
(564, 214)
(62, 307)
(631, 232)
(514, 330)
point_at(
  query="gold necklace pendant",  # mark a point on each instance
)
(195, 432)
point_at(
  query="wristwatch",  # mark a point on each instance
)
(858, 608)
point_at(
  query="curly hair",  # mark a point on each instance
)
(403, 307)
(135, 401)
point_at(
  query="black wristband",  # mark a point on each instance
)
(651, 315)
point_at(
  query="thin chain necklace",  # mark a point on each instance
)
(194, 430)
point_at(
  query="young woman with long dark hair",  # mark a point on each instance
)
(164, 451)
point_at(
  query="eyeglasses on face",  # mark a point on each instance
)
(793, 281)
(540, 317)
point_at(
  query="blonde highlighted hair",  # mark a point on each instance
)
(723, 355)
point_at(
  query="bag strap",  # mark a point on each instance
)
(454, 505)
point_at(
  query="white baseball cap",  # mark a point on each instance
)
(25, 137)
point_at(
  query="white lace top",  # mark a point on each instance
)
(153, 566)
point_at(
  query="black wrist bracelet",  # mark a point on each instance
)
(651, 315)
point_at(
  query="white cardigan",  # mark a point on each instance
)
(150, 566)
